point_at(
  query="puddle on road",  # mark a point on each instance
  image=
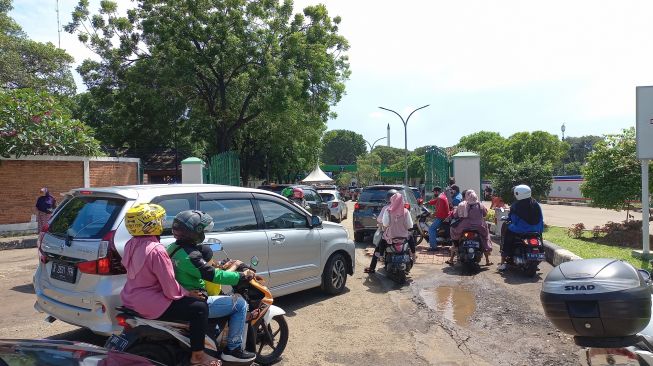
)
(454, 303)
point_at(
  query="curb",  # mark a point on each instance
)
(21, 242)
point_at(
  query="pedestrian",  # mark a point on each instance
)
(45, 205)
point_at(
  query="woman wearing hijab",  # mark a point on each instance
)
(397, 221)
(471, 214)
(45, 205)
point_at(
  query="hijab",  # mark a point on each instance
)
(528, 210)
(397, 205)
(470, 199)
(46, 202)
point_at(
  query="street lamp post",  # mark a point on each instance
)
(563, 128)
(374, 143)
(405, 122)
(183, 117)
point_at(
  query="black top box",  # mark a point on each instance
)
(597, 298)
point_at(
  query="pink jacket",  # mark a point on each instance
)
(151, 286)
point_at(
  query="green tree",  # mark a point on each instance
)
(416, 165)
(539, 146)
(613, 173)
(530, 172)
(231, 61)
(25, 63)
(344, 179)
(389, 155)
(368, 166)
(579, 148)
(490, 146)
(35, 123)
(342, 147)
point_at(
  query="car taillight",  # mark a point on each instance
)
(407, 206)
(334, 204)
(357, 206)
(42, 257)
(108, 262)
(534, 242)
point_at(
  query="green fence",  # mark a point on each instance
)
(223, 169)
(438, 168)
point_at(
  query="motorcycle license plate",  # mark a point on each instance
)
(63, 272)
(116, 343)
(471, 244)
(536, 256)
(400, 258)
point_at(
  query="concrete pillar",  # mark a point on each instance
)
(467, 171)
(192, 171)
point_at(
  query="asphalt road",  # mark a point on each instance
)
(441, 317)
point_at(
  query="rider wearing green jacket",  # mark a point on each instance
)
(192, 269)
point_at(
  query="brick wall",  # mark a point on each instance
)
(20, 182)
(108, 173)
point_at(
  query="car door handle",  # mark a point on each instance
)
(278, 239)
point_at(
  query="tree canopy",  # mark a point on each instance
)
(35, 123)
(25, 63)
(532, 173)
(613, 175)
(342, 147)
(231, 62)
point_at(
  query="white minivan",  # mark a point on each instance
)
(79, 277)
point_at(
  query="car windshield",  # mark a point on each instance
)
(375, 195)
(327, 196)
(86, 217)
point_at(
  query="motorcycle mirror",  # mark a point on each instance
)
(254, 261)
(645, 274)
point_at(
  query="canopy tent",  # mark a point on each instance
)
(317, 176)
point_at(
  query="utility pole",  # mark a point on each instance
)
(58, 25)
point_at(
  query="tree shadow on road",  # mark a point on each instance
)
(458, 270)
(27, 288)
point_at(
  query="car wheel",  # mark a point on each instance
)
(359, 236)
(334, 276)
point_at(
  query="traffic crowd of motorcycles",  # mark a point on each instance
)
(523, 250)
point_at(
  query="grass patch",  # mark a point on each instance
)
(586, 249)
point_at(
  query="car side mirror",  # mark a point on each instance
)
(316, 221)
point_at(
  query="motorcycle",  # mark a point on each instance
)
(398, 260)
(423, 223)
(528, 249)
(469, 251)
(168, 342)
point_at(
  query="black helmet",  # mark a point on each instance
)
(189, 226)
(390, 193)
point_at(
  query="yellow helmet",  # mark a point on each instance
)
(145, 219)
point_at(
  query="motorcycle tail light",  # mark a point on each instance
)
(469, 235)
(533, 242)
(407, 206)
(357, 206)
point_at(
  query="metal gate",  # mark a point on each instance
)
(223, 169)
(437, 170)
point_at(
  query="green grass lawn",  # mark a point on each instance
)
(587, 249)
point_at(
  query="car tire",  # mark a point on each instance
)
(334, 276)
(359, 236)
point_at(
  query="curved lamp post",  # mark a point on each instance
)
(374, 143)
(405, 122)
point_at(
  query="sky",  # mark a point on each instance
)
(506, 66)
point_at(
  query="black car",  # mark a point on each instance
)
(369, 205)
(317, 205)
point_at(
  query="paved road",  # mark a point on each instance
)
(441, 317)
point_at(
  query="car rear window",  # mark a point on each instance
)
(86, 217)
(327, 196)
(376, 194)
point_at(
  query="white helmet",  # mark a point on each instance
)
(522, 191)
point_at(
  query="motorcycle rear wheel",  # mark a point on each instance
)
(272, 337)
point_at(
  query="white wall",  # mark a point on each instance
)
(566, 187)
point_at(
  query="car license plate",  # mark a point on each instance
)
(116, 343)
(400, 258)
(536, 256)
(63, 272)
(471, 244)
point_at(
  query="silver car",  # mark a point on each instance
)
(337, 205)
(79, 277)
